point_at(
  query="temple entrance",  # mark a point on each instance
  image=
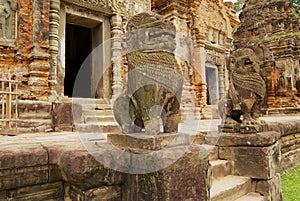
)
(78, 47)
(212, 84)
(84, 57)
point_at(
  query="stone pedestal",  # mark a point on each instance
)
(183, 175)
(256, 156)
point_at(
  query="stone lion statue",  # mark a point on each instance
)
(241, 108)
(152, 98)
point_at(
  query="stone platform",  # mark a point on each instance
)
(61, 166)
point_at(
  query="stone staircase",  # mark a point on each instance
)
(97, 116)
(229, 187)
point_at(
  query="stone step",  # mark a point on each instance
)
(89, 101)
(102, 118)
(210, 112)
(221, 168)
(35, 115)
(230, 188)
(103, 127)
(98, 112)
(31, 126)
(33, 123)
(96, 107)
(190, 109)
(251, 197)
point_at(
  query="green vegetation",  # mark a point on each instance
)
(238, 6)
(297, 4)
(290, 185)
(278, 37)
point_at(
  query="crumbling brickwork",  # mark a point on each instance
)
(271, 28)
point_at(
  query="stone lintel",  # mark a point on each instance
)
(262, 139)
(103, 9)
(140, 142)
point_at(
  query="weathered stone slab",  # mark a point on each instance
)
(26, 176)
(259, 139)
(285, 128)
(140, 142)
(50, 191)
(271, 189)
(257, 162)
(185, 179)
(64, 115)
(227, 153)
(289, 160)
(81, 169)
(106, 193)
(22, 155)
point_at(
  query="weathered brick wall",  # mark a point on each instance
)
(28, 60)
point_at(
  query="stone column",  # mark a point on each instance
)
(221, 82)
(116, 58)
(200, 77)
(54, 47)
(39, 66)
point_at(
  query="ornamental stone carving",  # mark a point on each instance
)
(155, 84)
(8, 10)
(247, 89)
(107, 7)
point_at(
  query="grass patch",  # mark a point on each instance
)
(291, 185)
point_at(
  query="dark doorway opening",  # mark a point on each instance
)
(78, 47)
(212, 85)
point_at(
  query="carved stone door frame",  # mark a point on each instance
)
(111, 21)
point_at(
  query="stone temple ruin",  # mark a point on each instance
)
(272, 30)
(64, 63)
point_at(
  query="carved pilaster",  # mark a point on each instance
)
(54, 48)
(39, 66)
(116, 32)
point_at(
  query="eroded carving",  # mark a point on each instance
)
(246, 92)
(105, 6)
(7, 20)
(154, 81)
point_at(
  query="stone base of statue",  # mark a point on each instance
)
(165, 166)
(143, 143)
(241, 128)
